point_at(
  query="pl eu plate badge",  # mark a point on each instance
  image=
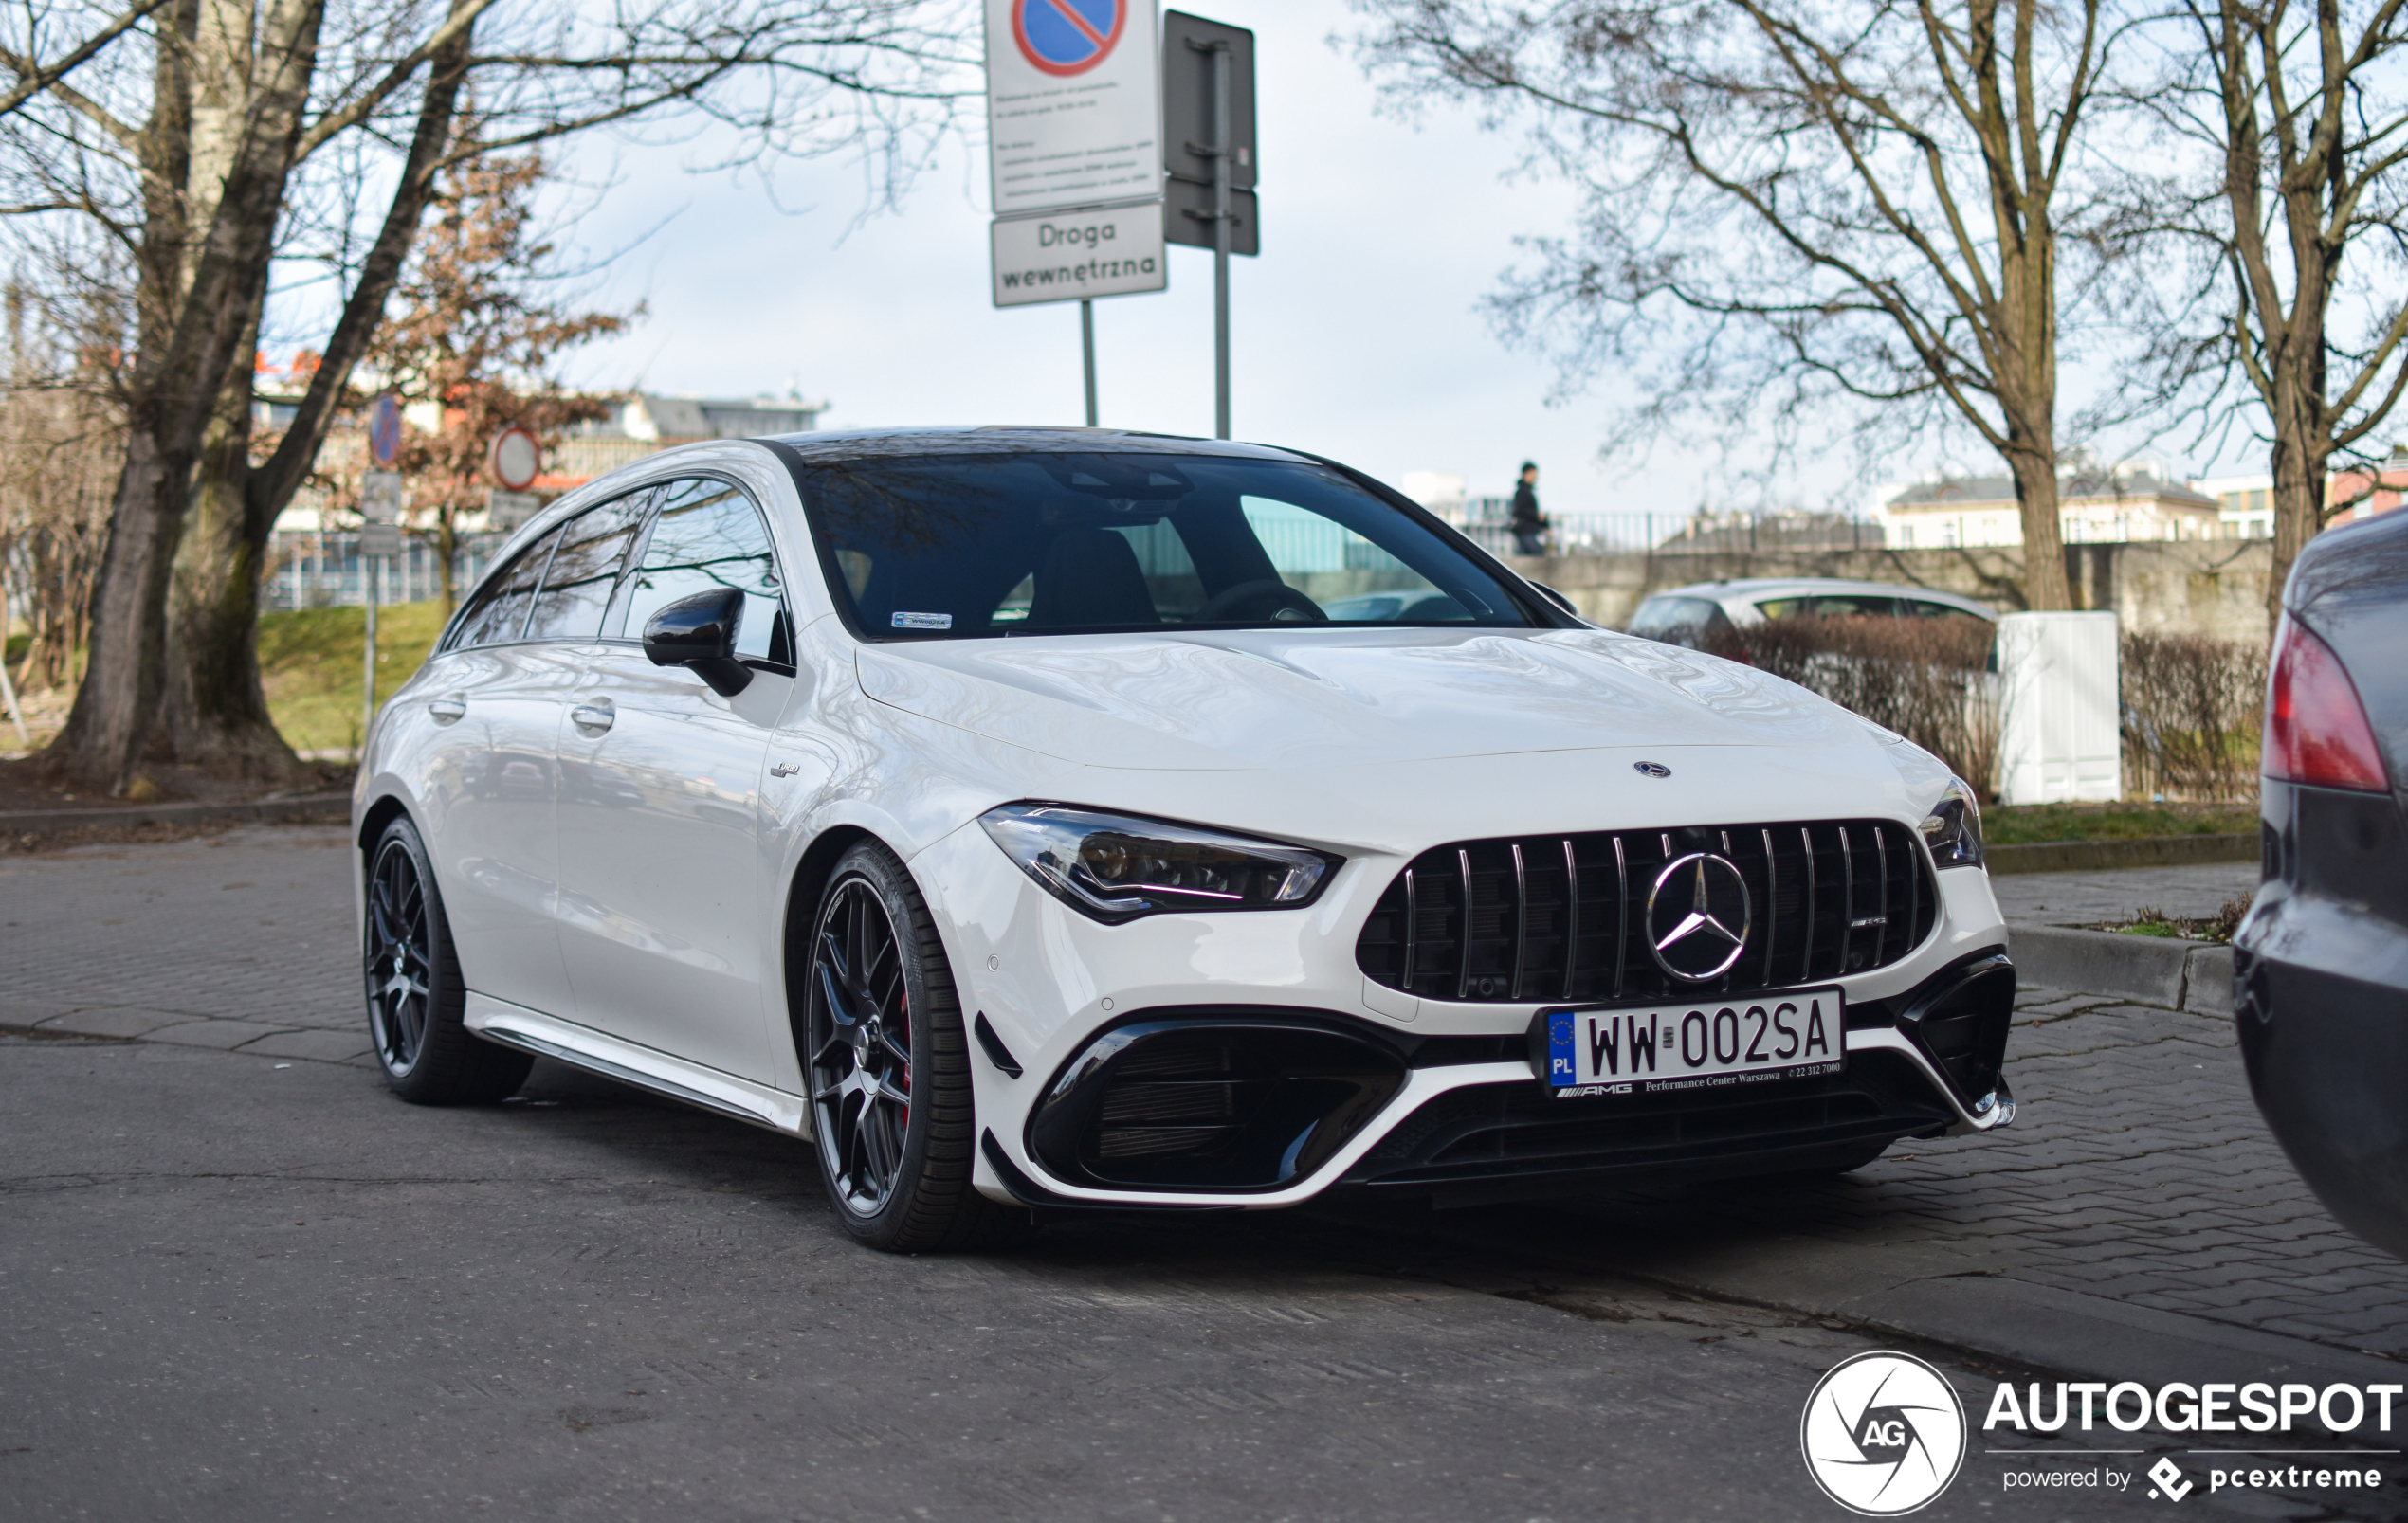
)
(1564, 1063)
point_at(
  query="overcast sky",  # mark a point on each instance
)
(1357, 333)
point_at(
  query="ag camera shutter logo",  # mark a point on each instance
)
(1882, 1434)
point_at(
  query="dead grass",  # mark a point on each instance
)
(2151, 921)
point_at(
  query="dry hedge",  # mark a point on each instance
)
(2192, 711)
(1927, 678)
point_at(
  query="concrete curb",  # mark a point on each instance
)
(2161, 970)
(2093, 855)
(309, 806)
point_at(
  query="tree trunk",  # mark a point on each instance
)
(216, 715)
(448, 556)
(2045, 585)
(114, 727)
(2303, 419)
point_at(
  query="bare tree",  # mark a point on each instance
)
(2297, 119)
(482, 318)
(1793, 211)
(193, 135)
(61, 440)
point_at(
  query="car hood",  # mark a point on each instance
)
(1269, 699)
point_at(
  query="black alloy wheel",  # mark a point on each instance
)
(886, 1065)
(860, 1034)
(400, 965)
(415, 993)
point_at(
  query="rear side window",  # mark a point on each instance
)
(1856, 606)
(1698, 623)
(708, 535)
(577, 586)
(499, 612)
(1917, 607)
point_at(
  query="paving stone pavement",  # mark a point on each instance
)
(237, 940)
(2088, 898)
(2138, 1168)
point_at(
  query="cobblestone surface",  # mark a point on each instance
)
(2138, 1167)
(250, 927)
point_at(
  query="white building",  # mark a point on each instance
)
(2125, 502)
(2244, 504)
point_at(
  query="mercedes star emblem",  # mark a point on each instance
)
(1698, 916)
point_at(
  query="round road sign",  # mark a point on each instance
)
(384, 429)
(517, 457)
(1064, 37)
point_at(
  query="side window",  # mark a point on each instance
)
(499, 612)
(706, 535)
(1698, 623)
(1856, 606)
(578, 587)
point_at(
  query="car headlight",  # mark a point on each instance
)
(1115, 867)
(1953, 828)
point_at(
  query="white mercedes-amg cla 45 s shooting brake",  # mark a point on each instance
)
(1063, 819)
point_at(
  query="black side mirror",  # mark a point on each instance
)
(700, 632)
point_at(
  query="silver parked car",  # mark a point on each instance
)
(1698, 615)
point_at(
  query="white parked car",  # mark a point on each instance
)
(1699, 615)
(1053, 820)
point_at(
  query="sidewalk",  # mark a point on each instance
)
(2090, 897)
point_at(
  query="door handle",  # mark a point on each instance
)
(598, 716)
(446, 709)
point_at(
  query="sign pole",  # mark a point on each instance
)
(379, 536)
(370, 572)
(1221, 145)
(1087, 348)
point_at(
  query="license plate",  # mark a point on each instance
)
(1709, 1044)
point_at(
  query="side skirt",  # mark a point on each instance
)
(514, 1025)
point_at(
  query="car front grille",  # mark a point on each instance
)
(1563, 918)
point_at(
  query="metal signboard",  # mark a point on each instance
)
(380, 539)
(1074, 103)
(1187, 99)
(384, 429)
(1187, 217)
(380, 497)
(1078, 256)
(516, 458)
(506, 511)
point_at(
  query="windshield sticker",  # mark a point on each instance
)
(923, 620)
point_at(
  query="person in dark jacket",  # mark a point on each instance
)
(1528, 524)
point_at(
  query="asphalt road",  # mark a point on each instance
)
(243, 1291)
(252, 1285)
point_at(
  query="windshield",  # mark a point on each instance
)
(969, 546)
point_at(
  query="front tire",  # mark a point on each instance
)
(415, 995)
(886, 1065)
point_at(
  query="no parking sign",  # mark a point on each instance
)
(1074, 103)
(1067, 37)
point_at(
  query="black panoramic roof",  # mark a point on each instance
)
(898, 443)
